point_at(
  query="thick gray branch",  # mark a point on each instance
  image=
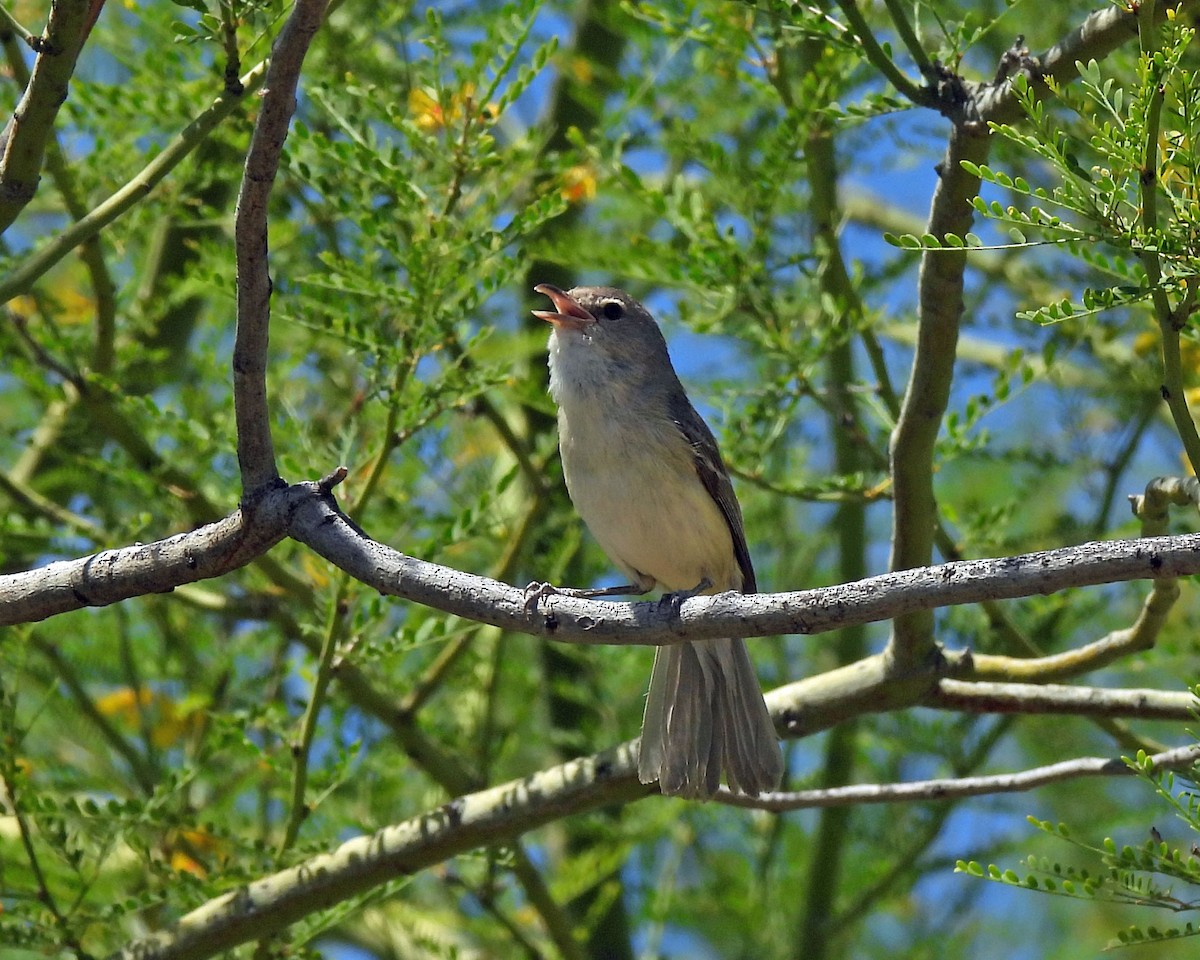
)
(144, 568)
(268, 905)
(305, 513)
(256, 453)
(1094, 39)
(265, 906)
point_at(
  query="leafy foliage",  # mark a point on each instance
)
(735, 166)
(1126, 874)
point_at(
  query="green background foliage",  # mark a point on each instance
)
(735, 165)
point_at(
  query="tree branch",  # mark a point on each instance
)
(1028, 698)
(941, 304)
(883, 597)
(23, 143)
(956, 787)
(22, 278)
(940, 293)
(1152, 507)
(141, 569)
(879, 58)
(269, 904)
(255, 451)
(1094, 39)
(265, 906)
(308, 514)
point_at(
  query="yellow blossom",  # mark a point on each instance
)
(578, 184)
(430, 116)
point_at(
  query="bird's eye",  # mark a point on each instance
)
(612, 310)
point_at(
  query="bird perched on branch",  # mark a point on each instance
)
(644, 472)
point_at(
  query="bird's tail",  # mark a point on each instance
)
(705, 716)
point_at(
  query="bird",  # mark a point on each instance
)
(644, 472)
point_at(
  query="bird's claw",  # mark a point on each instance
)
(674, 600)
(537, 591)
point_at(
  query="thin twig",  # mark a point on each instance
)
(955, 788)
(18, 29)
(879, 57)
(908, 36)
(22, 277)
(298, 810)
(1169, 324)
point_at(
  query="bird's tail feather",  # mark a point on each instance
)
(705, 716)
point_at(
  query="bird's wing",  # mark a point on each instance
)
(710, 468)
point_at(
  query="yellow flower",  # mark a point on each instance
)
(124, 703)
(182, 863)
(168, 723)
(581, 70)
(429, 115)
(578, 184)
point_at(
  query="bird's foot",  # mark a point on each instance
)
(535, 592)
(674, 600)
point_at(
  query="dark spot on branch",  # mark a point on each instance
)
(1155, 562)
(453, 811)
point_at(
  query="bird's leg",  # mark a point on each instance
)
(537, 591)
(675, 599)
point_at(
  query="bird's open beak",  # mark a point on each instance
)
(566, 313)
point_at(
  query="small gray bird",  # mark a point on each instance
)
(644, 472)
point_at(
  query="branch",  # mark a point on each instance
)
(256, 454)
(880, 59)
(884, 597)
(21, 279)
(306, 512)
(1094, 39)
(941, 303)
(92, 253)
(940, 299)
(957, 787)
(907, 35)
(1117, 645)
(141, 569)
(1028, 698)
(1152, 507)
(265, 906)
(32, 124)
